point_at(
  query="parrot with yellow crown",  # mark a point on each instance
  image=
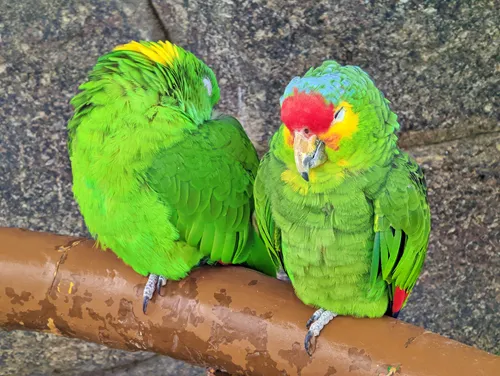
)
(159, 178)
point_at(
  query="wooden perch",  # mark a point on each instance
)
(231, 318)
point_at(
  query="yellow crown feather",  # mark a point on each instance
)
(161, 52)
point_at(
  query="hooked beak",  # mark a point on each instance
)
(309, 153)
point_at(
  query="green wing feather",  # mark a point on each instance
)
(268, 231)
(402, 227)
(207, 179)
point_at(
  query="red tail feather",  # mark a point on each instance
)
(399, 299)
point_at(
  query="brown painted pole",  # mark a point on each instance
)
(231, 318)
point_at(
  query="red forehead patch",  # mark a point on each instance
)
(307, 110)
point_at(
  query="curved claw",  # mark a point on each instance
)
(315, 324)
(149, 290)
(162, 281)
(307, 342)
(310, 321)
(145, 302)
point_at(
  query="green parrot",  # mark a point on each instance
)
(158, 179)
(338, 202)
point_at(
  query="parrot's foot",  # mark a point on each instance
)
(315, 325)
(282, 276)
(155, 283)
(204, 261)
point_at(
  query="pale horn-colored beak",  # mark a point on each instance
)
(309, 152)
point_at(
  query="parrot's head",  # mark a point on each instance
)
(186, 80)
(334, 120)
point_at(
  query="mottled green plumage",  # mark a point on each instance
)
(359, 228)
(157, 179)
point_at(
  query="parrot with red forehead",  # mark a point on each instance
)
(338, 202)
(159, 177)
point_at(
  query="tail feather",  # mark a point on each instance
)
(258, 256)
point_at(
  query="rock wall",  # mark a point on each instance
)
(434, 60)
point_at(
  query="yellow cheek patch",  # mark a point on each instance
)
(344, 128)
(162, 52)
(349, 125)
(287, 136)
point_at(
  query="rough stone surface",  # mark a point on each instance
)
(436, 62)
(30, 353)
(40, 354)
(458, 293)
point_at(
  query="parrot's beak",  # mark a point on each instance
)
(309, 152)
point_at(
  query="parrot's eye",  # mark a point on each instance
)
(208, 85)
(339, 115)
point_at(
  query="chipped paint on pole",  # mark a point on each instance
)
(229, 318)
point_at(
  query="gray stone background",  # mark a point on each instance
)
(437, 61)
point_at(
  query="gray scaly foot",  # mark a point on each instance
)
(315, 324)
(314, 317)
(155, 282)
